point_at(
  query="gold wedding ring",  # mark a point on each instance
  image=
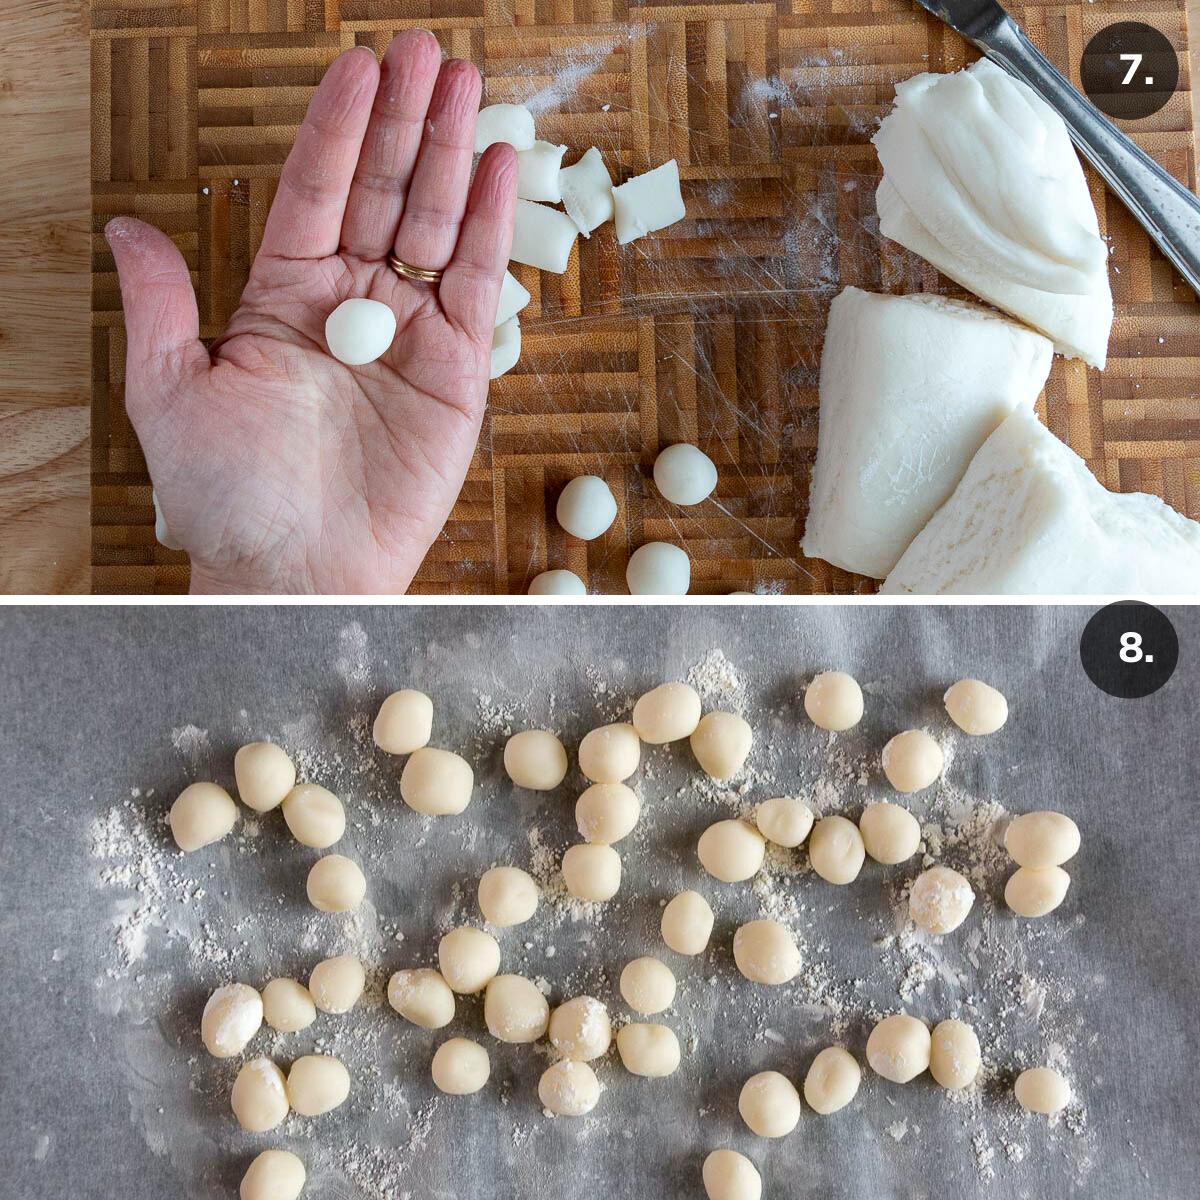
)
(417, 274)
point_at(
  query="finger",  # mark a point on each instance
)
(305, 220)
(437, 196)
(389, 152)
(470, 289)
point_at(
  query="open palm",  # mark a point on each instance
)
(277, 467)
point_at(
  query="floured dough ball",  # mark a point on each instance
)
(667, 713)
(507, 896)
(836, 850)
(422, 996)
(592, 871)
(203, 813)
(586, 507)
(687, 923)
(912, 761)
(721, 742)
(437, 783)
(658, 569)
(832, 1080)
(1030, 892)
(404, 722)
(514, 1010)
(264, 775)
(765, 952)
(729, 1175)
(535, 759)
(610, 754)
(648, 986)
(954, 1055)
(359, 331)
(1042, 1090)
(336, 983)
(557, 583)
(834, 701)
(784, 821)
(460, 1067)
(569, 1088)
(317, 1083)
(273, 1175)
(731, 850)
(336, 884)
(940, 900)
(232, 1016)
(288, 1006)
(975, 707)
(607, 812)
(469, 959)
(580, 1029)
(769, 1104)
(1042, 839)
(259, 1097)
(314, 815)
(648, 1050)
(890, 834)
(684, 474)
(898, 1048)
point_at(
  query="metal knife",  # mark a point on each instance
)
(1167, 210)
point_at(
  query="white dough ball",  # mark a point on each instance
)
(569, 1088)
(832, 1080)
(232, 1016)
(581, 1029)
(592, 871)
(667, 713)
(437, 783)
(890, 833)
(422, 996)
(687, 923)
(1034, 892)
(586, 507)
(836, 850)
(610, 754)
(259, 1097)
(658, 569)
(731, 850)
(912, 761)
(648, 986)
(769, 1104)
(469, 959)
(765, 952)
(976, 707)
(557, 583)
(273, 1175)
(336, 884)
(784, 821)
(288, 1006)
(264, 775)
(898, 1048)
(514, 1010)
(460, 1067)
(1042, 1090)
(940, 900)
(648, 1050)
(404, 722)
(1042, 839)
(507, 896)
(336, 983)
(359, 331)
(203, 813)
(684, 474)
(314, 815)
(535, 759)
(721, 743)
(607, 812)
(729, 1175)
(834, 701)
(317, 1083)
(954, 1054)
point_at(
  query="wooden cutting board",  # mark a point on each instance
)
(709, 332)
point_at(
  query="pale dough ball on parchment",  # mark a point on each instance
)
(610, 754)
(648, 986)
(1042, 1090)
(1042, 839)
(721, 743)
(317, 1083)
(976, 707)
(687, 923)
(569, 1088)
(336, 983)
(336, 884)
(314, 815)
(898, 1048)
(592, 871)
(507, 896)
(288, 1006)
(912, 761)
(273, 1175)
(890, 833)
(581, 1029)
(765, 952)
(832, 1080)
(203, 813)
(436, 783)
(1032, 892)
(834, 701)
(422, 996)
(231, 1017)
(460, 1067)
(514, 1010)
(264, 775)
(784, 821)
(607, 812)
(729, 1175)
(404, 722)
(940, 900)
(731, 850)
(259, 1097)
(535, 759)
(469, 959)
(769, 1104)
(954, 1054)
(667, 713)
(836, 850)
(648, 1050)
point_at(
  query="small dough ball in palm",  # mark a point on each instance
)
(898, 1048)
(832, 1080)
(648, 986)
(784, 821)
(581, 1029)
(514, 1010)
(731, 850)
(404, 722)
(610, 754)
(912, 761)
(273, 1175)
(421, 996)
(834, 701)
(836, 850)
(721, 743)
(569, 1088)
(203, 813)
(769, 1104)
(687, 923)
(264, 775)
(890, 833)
(507, 896)
(667, 713)
(729, 1175)
(535, 759)
(460, 1067)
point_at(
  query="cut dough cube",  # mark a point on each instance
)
(537, 172)
(542, 237)
(648, 202)
(513, 298)
(506, 347)
(587, 192)
(511, 123)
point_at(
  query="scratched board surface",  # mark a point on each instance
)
(709, 331)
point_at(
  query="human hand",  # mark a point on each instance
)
(278, 468)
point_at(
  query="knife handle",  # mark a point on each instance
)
(1167, 210)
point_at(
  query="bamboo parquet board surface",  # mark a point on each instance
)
(708, 332)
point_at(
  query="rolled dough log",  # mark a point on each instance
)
(542, 237)
(537, 172)
(511, 123)
(506, 347)
(648, 202)
(587, 192)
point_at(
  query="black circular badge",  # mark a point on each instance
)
(1129, 70)
(1129, 649)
